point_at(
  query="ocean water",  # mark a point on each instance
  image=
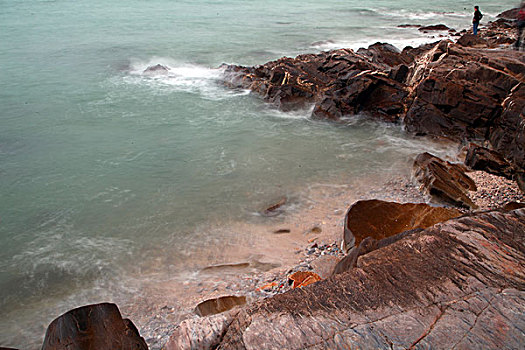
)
(110, 176)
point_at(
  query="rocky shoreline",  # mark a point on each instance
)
(445, 284)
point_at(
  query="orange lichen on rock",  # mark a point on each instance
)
(303, 278)
(267, 286)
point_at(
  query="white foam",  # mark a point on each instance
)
(180, 77)
(297, 114)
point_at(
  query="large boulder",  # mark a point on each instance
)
(380, 219)
(444, 181)
(459, 284)
(482, 158)
(98, 326)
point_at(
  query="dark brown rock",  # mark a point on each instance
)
(472, 40)
(481, 158)
(341, 82)
(434, 27)
(379, 219)
(218, 305)
(384, 55)
(513, 206)
(459, 284)
(444, 181)
(275, 208)
(409, 25)
(509, 14)
(372, 93)
(98, 326)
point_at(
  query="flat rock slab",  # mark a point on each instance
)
(380, 219)
(218, 305)
(459, 284)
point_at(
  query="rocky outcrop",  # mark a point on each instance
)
(457, 90)
(379, 219)
(98, 326)
(458, 284)
(444, 181)
(507, 134)
(340, 82)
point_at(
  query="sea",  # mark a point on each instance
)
(111, 177)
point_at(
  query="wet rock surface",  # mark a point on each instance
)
(98, 326)
(458, 282)
(381, 219)
(218, 305)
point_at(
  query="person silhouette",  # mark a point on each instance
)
(475, 21)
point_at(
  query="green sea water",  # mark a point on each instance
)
(105, 169)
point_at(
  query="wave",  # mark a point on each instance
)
(399, 43)
(165, 74)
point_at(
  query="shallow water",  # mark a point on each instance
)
(111, 177)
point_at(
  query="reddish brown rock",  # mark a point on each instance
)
(379, 219)
(458, 92)
(98, 326)
(510, 14)
(303, 278)
(444, 181)
(219, 305)
(459, 284)
(341, 82)
(507, 134)
(481, 158)
(472, 40)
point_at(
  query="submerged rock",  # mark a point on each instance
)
(458, 284)
(156, 69)
(274, 209)
(434, 27)
(98, 326)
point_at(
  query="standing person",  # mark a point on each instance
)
(520, 23)
(475, 21)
